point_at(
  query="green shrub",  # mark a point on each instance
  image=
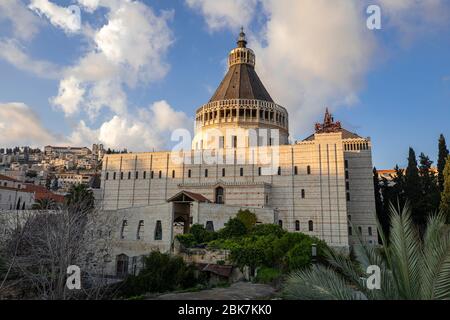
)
(162, 272)
(248, 218)
(268, 229)
(187, 240)
(268, 275)
(233, 228)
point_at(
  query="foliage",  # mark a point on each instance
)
(411, 268)
(247, 217)
(80, 198)
(270, 246)
(445, 196)
(268, 275)
(233, 228)
(162, 272)
(442, 158)
(197, 235)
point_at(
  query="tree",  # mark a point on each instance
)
(42, 244)
(45, 204)
(247, 217)
(80, 198)
(442, 157)
(378, 195)
(429, 200)
(445, 195)
(233, 228)
(412, 187)
(410, 268)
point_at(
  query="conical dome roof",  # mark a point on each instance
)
(241, 80)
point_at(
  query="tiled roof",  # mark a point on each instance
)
(193, 196)
(3, 177)
(241, 82)
(41, 193)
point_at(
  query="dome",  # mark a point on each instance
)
(241, 80)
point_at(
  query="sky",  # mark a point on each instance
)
(128, 73)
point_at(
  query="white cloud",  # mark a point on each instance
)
(22, 127)
(150, 128)
(230, 13)
(11, 51)
(70, 95)
(24, 23)
(59, 16)
(128, 50)
(317, 53)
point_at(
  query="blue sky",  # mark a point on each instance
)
(391, 84)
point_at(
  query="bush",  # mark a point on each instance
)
(197, 235)
(162, 272)
(233, 228)
(268, 275)
(187, 240)
(248, 218)
(268, 229)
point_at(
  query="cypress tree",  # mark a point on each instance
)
(429, 200)
(412, 186)
(380, 188)
(445, 196)
(443, 154)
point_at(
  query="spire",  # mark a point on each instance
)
(328, 124)
(242, 41)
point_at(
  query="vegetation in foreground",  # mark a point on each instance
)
(412, 268)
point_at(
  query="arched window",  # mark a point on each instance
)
(310, 225)
(297, 225)
(370, 231)
(280, 223)
(124, 229)
(158, 230)
(219, 195)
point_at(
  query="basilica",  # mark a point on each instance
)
(321, 185)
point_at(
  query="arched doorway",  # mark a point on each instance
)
(220, 195)
(122, 265)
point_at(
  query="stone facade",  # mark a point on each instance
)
(315, 186)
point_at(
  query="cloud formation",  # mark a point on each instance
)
(313, 54)
(20, 126)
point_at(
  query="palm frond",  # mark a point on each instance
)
(435, 275)
(405, 253)
(319, 283)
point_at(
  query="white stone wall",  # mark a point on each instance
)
(324, 202)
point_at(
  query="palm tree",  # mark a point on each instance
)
(411, 268)
(45, 204)
(80, 197)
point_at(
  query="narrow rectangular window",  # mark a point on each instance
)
(303, 194)
(124, 228)
(346, 174)
(350, 231)
(160, 174)
(129, 175)
(346, 164)
(241, 172)
(173, 174)
(348, 196)
(158, 230)
(280, 223)
(279, 171)
(121, 176)
(370, 231)
(107, 176)
(145, 175)
(223, 172)
(114, 176)
(206, 173)
(189, 173)
(347, 185)
(295, 170)
(297, 225)
(308, 169)
(152, 174)
(136, 175)
(259, 171)
(140, 230)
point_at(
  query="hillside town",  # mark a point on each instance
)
(28, 175)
